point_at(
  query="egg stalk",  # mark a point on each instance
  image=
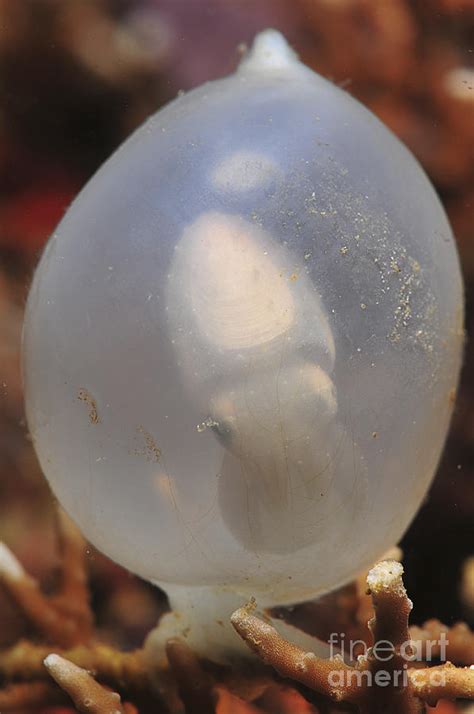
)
(200, 615)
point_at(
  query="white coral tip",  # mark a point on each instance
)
(59, 668)
(10, 566)
(386, 575)
(52, 660)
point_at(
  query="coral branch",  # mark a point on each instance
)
(72, 597)
(36, 606)
(127, 670)
(291, 661)
(88, 696)
(381, 681)
(377, 683)
(389, 628)
(66, 618)
(391, 604)
(443, 682)
(459, 641)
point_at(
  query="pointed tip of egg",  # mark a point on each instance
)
(269, 51)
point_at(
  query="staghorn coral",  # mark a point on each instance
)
(87, 695)
(195, 686)
(355, 684)
(73, 681)
(65, 618)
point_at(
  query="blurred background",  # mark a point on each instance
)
(77, 76)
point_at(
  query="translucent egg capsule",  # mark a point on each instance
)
(242, 342)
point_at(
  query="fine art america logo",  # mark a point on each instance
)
(391, 663)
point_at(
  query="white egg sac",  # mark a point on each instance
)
(242, 343)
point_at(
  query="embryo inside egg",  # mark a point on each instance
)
(250, 333)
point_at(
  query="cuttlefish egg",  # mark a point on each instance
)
(242, 342)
